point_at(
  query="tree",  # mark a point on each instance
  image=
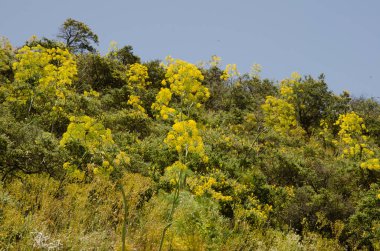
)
(310, 98)
(124, 55)
(77, 36)
(6, 60)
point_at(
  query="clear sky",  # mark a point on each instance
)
(340, 38)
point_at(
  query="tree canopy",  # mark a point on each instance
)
(77, 36)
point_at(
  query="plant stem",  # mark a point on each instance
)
(124, 229)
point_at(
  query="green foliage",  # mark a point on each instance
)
(99, 73)
(124, 55)
(77, 36)
(208, 159)
(6, 60)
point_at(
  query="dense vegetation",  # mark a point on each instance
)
(108, 152)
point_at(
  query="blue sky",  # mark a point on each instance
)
(340, 38)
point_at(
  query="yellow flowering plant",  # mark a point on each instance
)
(42, 78)
(183, 80)
(137, 76)
(280, 116)
(100, 155)
(229, 72)
(353, 142)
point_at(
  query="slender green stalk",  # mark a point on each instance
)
(174, 204)
(124, 229)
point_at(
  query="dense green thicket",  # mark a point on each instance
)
(209, 159)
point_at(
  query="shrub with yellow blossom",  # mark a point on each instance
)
(353, 142)
(97, 143)
(280, 116)
(42, 78)
(246, 206)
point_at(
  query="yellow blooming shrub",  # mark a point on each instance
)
(351, 138)
(371, 164)
(87, 131)
(220, 188)
(183, 80)
(207, 188)
(91, 93)
(352, 141)
(97, 142)
(42, 77)
(253, 211)
(280, 116)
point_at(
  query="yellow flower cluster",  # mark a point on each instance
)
(42, 71)
(122, 159)
(97, 141)
(45, 66)
(279, 115)
(255, 71)
(184, 80)
(371, 164)
(215, 61)
(353, 142)
(246, 205)
(253, 211)
(351, 138)
(73, 170)
(229, 72)
(137, 75)
(207, 188)
(350, 125)
(176, 167)
(287, 86)
(135, 102)
(184, 138)
(88, 132)
(91, 93)
(107, 167)
(325, 133)
(163, 98)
